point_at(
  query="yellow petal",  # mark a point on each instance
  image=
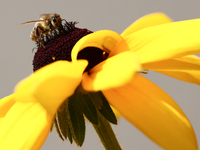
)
(117, 114)
(146, 21)
(5, 104)
(26, 126)
(155, 113)
(51, 85)
(184, 68)
(105, 40)
(166, 41)
(113, 72)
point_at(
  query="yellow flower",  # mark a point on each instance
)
(151, 41)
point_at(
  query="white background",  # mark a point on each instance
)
(16, 54)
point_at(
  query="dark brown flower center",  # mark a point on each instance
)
(60, 49)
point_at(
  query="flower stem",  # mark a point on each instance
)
(106, 134)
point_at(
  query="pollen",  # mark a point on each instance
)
(54, 58)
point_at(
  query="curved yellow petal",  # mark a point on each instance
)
(166, 41)
(113, 72)
(105, 40)
(184, 68)
(5, 104)
(154, 112)
(28, 122)
(146, 21)
(51, 85)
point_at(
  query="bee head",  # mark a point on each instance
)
(56, 20)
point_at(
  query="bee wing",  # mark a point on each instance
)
(28, 22)
(44, 16)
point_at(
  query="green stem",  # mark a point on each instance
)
(106, 134)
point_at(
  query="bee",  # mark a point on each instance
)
(44, 27)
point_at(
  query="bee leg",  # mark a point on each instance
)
(48, 37)
(62, 30)
(54, 34)
(34, 49)
(69, 25)
(41, 40)
(39, 33)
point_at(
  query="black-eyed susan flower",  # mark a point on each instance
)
(152, 42)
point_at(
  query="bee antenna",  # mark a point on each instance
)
(28, 22)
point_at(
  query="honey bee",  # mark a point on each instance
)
(44, 27)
